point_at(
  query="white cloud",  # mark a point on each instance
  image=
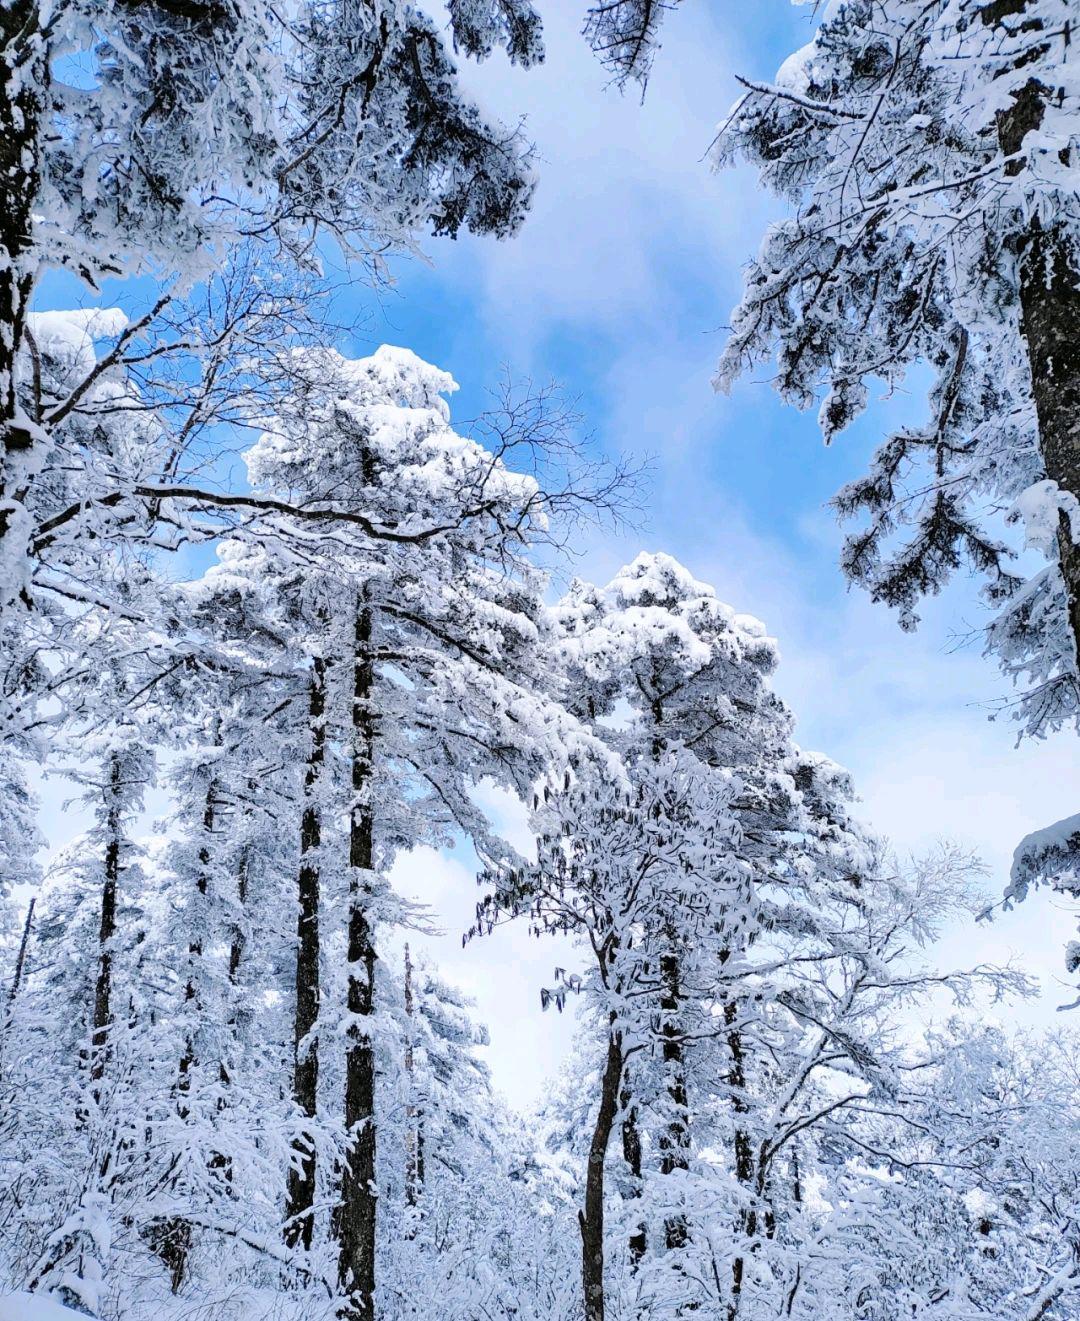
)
(503, 972)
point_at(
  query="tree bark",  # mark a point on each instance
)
(300, 1194)
(172, 1240)
(1050, 318)
(236, 945)
(20, 962)
(99, 1043)
(591, 1220)
(631, 1145)
(359, 1192)
(1050, 300)
(414, 1136)
(674, 1143)
(744, 1152)
(24, 76)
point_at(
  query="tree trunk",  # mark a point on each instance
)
(20, 962)
(99, 1046)
(24, 76)
(591, 1220)
(1050, 299)
(300, 1195)
(359, 1192)
(674, 1143)
(1050, 308)
(744, 1152)
(172, 1240)
(195, 947)
(414, 1137)
(631, 1145)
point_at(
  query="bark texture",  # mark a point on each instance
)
(99, 1047)
(414, 1117)
(300, 1194)
(674, 1142)
(23, 83)
(24, 943)
(1050, 299)
(1050, 324)
(358, 1208)
(744, 1152)
(591, 1220)
(172, 1240)
(631, 1146)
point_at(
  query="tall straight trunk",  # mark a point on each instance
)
(1050, 317)
(300, 1193)
(674, 1142)
(631, 1146)
(23, 81)
(195, 947)
(744, 1153)
(238, 942)
(17, 977)
(24, 943)
(173, 1239)
(236, 1016)
(357, 1211)
(414, 1119)
(591, 1220)
(1050, 300)
(99, 1046)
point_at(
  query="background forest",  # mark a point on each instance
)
(392, 400)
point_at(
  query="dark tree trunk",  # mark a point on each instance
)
(631, 1146)
(16, 980)
(172, 1240)
(20, 962)
(414, 1120)
(1050, 325)
(195, 948)
(674, 1142)
(23, 82)
(357, 1212)
(238, 942)
(591, 1220)
(99, 1043)
(1050, 299)
(744, 1151)
(300, 1196)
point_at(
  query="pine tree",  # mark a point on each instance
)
(929, 149)
(198, 126)
(434, 611)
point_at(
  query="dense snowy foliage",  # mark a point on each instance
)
(930, 151)
(223, 1086)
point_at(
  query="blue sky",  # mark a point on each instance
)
(619, 286)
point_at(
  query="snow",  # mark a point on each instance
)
(794, 73)
(1051, 852)
(29, 1307)
(69, 335)
(1039, 508)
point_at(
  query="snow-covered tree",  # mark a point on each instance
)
(430, 612)
(153, 137)
(660, 859)
(930, 152)
(625, 36)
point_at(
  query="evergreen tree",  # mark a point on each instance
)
(930, 150)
